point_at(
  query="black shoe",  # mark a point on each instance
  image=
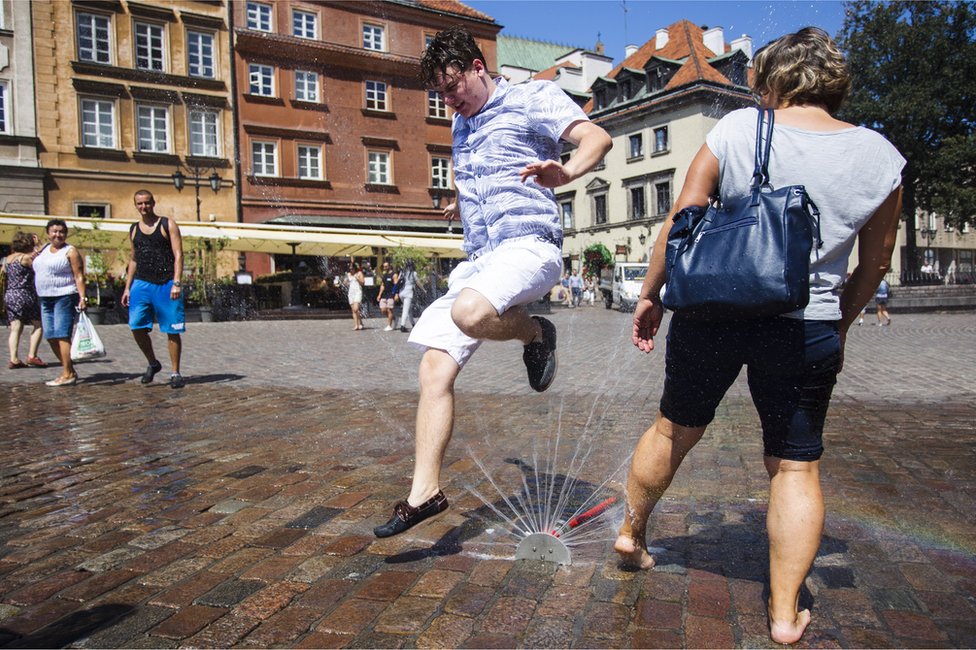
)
(151, 371)
(540, 357)
(403, 328)
(406, 516)
(176, 380)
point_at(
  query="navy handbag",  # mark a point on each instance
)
(748, 258)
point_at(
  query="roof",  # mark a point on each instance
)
(527, 53)
(551, 73)
(452, 7)
(686, 47)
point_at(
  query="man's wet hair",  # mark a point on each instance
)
(452, 48)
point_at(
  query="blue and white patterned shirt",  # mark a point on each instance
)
(518, 125)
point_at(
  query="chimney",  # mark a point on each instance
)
(743, 43)
(629, 50)
(714, 40)
(662, 38)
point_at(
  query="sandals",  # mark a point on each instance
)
(14, 365)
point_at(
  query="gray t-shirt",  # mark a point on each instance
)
(848, 174)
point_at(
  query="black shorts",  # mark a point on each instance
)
(792, 368)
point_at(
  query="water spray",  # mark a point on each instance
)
(549, 547)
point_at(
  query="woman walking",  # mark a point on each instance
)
(854, 176)
(60, 281)
(20, 300)
(355, 279)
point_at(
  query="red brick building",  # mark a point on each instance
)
(334, 127)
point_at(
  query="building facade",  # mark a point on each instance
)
(22, 190)
(657, 104)
(129, 93)
(335, 127)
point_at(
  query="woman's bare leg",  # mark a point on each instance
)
(656, 459)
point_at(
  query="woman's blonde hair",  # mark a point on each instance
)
(803, 68)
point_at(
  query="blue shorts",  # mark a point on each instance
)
(148, 300)
(792, 368)
(58, 315)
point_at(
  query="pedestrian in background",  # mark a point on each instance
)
(20, 300)
(387, 295)
(59, 277)
(354, 291)
(854, 176)
(881, 303)
(153, 286)
(408, 280)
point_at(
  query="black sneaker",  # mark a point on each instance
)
(176, 380)
(406, 516)
(151, 371)
(540, 357)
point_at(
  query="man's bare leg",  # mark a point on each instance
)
(435, 422)
(175, 345)
(144, 341)
(477, 317)
(656, 459)
(794, 523)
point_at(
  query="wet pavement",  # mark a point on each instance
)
(238, 511)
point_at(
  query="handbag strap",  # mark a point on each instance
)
(760, 175)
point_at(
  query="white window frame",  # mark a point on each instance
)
(606, 209)
(300, 29)
(440, 172)
(265, 74)
(100, 50)
(148, 141)
(657, 196)
(5, 112)
(307, 86)
(378, 95)
(98, 104)
(106, 209)
(632, 212)
(632, 139)
(667, 139)
(307, 161)
(566, 209)
(374, 37)
(149, 46)
(436, 107)
(207, 124)
(195, 46)
(379, 167)
(264, 158)
(259, 16)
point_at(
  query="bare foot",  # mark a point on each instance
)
(632, 554)
(789, 631)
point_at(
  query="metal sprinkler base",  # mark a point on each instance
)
(545, 547)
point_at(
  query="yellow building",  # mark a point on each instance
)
(129, 93)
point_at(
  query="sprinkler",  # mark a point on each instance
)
(548, 547)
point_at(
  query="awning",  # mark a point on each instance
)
(257, 237)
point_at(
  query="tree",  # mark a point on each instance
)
(914, 67)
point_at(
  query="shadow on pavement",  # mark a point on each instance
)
(213, 379)
(68, 629)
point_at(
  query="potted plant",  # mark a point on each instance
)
(94, 245)
(201, 257)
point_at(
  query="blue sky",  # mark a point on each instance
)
(577, 22)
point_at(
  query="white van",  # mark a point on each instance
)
(621, 284)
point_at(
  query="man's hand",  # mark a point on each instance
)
(548, 173)
(174, 292)
(647, 320)
(125, 298)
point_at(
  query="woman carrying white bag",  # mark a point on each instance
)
(60, 282)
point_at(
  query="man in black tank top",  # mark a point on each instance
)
(153, 286)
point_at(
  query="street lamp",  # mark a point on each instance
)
(196, 175)
(436, 201)
(928, 234)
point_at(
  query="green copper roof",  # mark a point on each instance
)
(526, 53)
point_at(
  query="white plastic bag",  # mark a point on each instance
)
(85, 343)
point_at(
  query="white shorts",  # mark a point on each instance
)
(518, 272)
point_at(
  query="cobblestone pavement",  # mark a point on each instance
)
(238, 511)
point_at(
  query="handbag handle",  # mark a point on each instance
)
(760, 175)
